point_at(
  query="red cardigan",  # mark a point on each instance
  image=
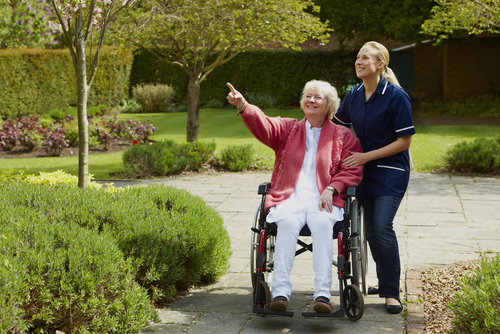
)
(287, 137)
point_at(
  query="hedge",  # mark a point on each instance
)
(280, 73)
(36, 81)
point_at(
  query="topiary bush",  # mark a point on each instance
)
(237, 157)
(479, 156)
(166, 158)
(56, 275)
(153, 97)
(476, 307)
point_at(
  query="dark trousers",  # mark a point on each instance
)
(379, 216)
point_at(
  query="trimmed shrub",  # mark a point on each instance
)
(172, 238)
(237, 157)
(214, 104)
(479, 156)
(262, 100)
(153, 97)
(476, 307)
(166, 158)
(29, 76)
(58, 276)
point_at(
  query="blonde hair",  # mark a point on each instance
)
(330, 93)
(383, 55)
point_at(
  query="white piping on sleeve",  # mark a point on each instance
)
(407, 128)
(384, 166)
(340, 120)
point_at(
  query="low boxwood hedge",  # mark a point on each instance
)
(164, 238)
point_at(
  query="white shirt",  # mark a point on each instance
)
(306, 194)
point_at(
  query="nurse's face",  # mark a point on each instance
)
(314, 104)
(367, 64)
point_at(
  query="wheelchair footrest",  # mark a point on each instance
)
(336, 314)
(260, 310)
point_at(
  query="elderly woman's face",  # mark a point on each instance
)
(314, 104)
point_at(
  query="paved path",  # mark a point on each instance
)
(441, 220)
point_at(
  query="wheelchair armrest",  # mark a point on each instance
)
(351, 191)
(264, 187)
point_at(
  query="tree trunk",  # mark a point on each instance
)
(193, 111)
(83, 125)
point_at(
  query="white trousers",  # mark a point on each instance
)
(321, 227)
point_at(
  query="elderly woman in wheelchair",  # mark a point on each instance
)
(308, 184)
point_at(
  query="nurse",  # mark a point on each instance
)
(379, 112)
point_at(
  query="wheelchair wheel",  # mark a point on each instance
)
(354, 305)
(364, 250)
(254, 252)
(264, 295)
(358, 244)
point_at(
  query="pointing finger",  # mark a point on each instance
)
(234, 91)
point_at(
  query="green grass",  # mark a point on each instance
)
(223, 126)
(430, 143)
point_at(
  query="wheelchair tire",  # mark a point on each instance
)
(358, 244)
(254, 252)
(364, 250)
(264, 297)
(354, 305)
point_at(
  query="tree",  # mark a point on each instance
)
(369, 19)
(474, 16)
(25, 23)
(199, 35)
(85, 22)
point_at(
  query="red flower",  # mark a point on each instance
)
(135, 141)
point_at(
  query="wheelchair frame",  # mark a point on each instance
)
(351, 243)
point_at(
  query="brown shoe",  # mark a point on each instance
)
(322, 305)
(279, 303)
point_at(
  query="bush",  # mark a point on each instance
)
(476, 307)
(237, 157)
(166, 158)
(214, 104)
(59, 276)
(478, 106)
(56, 141)
(9, 135)
(153, 97)
(479, 156)
(262, 100)
(172, 238)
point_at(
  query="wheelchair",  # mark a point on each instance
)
(351, 260)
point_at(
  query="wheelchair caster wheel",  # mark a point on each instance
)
(262, 297)
(354, 304)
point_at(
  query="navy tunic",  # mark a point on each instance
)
(384, 118)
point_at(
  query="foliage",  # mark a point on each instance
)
(262, 100)
(478, 106)
(214, 104)
(476, 306)
(35, 81)
(171, 238)
(366, 20)
(26, 24)
(58, 275)
(480, 156)
(194, 30)
(451, 17)
(237, 157)
(153, 97)
(274, 76)
(56, 141)
(166, 158)
(31, 133)
(9, 135)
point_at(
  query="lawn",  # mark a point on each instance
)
(224, 127)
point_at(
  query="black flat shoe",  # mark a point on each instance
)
(372, 290)
(395, 309)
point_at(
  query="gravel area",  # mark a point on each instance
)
(439, 287)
